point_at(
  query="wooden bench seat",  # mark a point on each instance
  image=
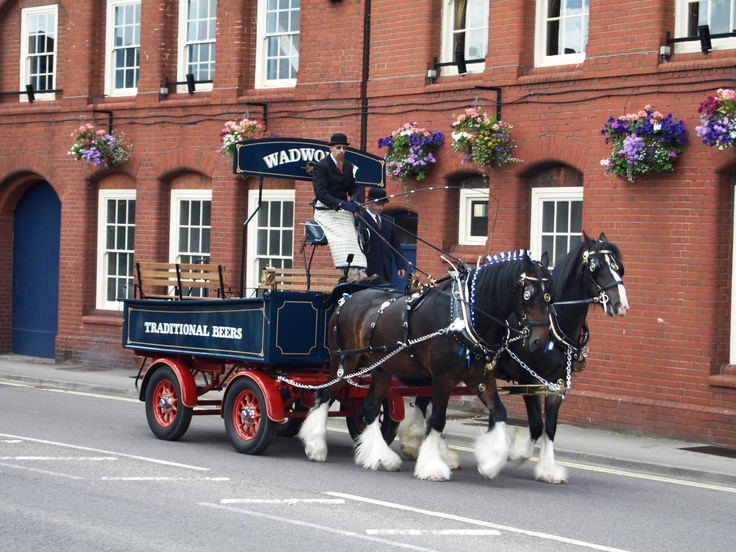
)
(295, 279)
(178, 280)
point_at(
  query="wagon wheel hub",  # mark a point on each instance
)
(166, 403)
(247, 416)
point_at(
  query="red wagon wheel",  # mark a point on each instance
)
(167, 416)
(246, 417)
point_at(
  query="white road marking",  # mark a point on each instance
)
(442, 532)
(323, 528)
(164, 478)
(470, 521)
(135, 457)
(41, 387)
(282, 501)
(45, 472)
(54, 458)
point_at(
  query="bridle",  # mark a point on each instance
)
(527, 284)
(591, 265)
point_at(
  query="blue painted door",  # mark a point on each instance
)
(406, 226)
(36, 239)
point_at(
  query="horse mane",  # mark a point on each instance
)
(495, 284)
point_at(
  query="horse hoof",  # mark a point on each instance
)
(389, 467)
(554, 479)
(437, 478)
(410, 453)
(315, 452)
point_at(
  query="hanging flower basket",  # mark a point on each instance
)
(410, 152)
(718, 119)
(237, 131)
(643, 142)
(99, 147)
(483, 139)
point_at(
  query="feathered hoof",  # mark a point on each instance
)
(316, 452)
(409, 452)
(437, 479)
(556, 475)
(426, 475)
(389, 467)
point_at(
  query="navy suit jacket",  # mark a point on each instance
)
(379, 256)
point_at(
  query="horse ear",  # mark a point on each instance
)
(588, 241)
(545, 260)
(602, 237)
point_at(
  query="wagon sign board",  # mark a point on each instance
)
(255, 329)
(293, 159)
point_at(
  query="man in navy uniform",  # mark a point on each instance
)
(381, 226)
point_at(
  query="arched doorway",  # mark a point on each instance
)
(36, 240)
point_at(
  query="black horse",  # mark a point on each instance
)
(448, 333)
(590, 273)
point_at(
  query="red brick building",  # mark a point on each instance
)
(557, 71)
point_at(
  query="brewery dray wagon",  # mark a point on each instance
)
(257, 360)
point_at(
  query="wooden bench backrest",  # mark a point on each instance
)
(295, 279)
(179, 277)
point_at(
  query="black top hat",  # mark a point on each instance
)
(338, 139)
(378, 194)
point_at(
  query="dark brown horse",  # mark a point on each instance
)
(448, 333)
(591, 273)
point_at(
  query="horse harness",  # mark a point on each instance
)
(576, 349)
(462, 321)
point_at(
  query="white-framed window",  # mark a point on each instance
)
(473, 226)
(270, 233)
(38, 50)
(123, 52)
(277, 51)
(561, 32)
(191, 225)
(115, 247)
(464, 28)
(719, 15)
(557, 220)
(197, 32)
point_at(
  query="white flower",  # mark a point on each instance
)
(459, 135)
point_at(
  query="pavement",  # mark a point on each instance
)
(616, 450)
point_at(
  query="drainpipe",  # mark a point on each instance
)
(364, 80)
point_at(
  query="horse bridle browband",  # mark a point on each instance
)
(601, 297)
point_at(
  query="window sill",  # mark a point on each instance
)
(104, 318)
(725, 378)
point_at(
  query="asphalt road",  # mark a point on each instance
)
(83, 472)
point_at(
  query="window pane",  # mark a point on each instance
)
(563, 216)
(282, 40)
(576, 217)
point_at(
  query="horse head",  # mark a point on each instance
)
(531, 306)
(602, 272)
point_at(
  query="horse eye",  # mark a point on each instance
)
(614, 265)
(594, 266)
(528, 294)
(547, 298)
